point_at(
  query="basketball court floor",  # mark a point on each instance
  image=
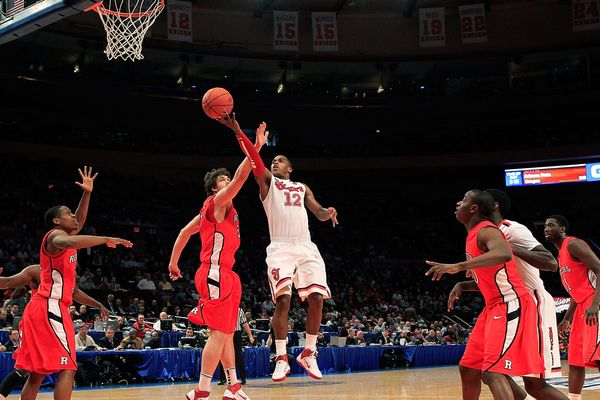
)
(423, 383)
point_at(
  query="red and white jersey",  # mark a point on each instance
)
(57, 275)
(498, 284)
(220, 240)
(519, 235)
(576, 277)
(286, 213)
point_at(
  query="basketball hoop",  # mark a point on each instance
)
(126, 23)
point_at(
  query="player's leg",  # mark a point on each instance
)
(211, 355)
(308, 358)
(518, 392)
(234, 388)
(498, 385)
(11, 381)
(577, 349)
(240, 363)
(470, 379)
(538, 388)
(32, 386)
(64, 385)
(280, 326)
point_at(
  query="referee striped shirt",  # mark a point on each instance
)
(241, 320)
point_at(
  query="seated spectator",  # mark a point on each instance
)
(131, 342)
(120, 309)
(15, 311)
(321, 340)
(13, 341)
(360, 339)
(146, 283)
(153, 342)
(351, 339)
(418, 338)
(3, 321)
(73, 312)
(108, 341)
(189, 340)
(142, 326)
(163, 316)
(84, 314)
(83, 341)
(431, 338)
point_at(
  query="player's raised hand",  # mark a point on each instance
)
(113, 242)
(437, 270)
(454, 295)
(262, 134)
(230, 122)
(174, 272)
(87, 179)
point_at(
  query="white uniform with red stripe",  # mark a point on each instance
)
(292, 258)
(519, 235)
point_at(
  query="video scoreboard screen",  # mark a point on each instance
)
(552, 174)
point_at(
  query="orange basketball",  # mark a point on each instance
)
(217, 102)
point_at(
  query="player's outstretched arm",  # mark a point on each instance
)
(28, 274)
(61, 240)
(539, 257)
(225, 196)
(185, 233)
(87, 185)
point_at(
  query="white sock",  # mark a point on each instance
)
(311, 342)
(280, 347)
(231, 376)
(204, 383)
(574, 396)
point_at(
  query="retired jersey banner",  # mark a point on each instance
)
(179, 23)
(325, 35)
(432, 27)
(586, 15)
(285, 30)
(473, 28)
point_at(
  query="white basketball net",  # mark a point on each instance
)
(126, 23)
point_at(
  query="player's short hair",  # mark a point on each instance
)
(50, 214)
(502, 199)
(484, 201)
(210, 179)
(562, 221)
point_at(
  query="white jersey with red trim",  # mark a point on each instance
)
(519, 235)
(286, 213)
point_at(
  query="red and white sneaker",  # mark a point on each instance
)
(308, 360)
(282, 368)
(235, 392)
(197, 394)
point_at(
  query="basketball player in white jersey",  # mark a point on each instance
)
(292, 258)
(531, 257)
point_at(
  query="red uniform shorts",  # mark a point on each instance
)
(506, 339)
(584, 339)
(220, 294)
(47, 338)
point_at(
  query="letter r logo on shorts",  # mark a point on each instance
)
(507, 364)
(64, 361)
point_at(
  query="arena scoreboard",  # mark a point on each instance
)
(552, 174)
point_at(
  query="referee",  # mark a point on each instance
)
(242, 324)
